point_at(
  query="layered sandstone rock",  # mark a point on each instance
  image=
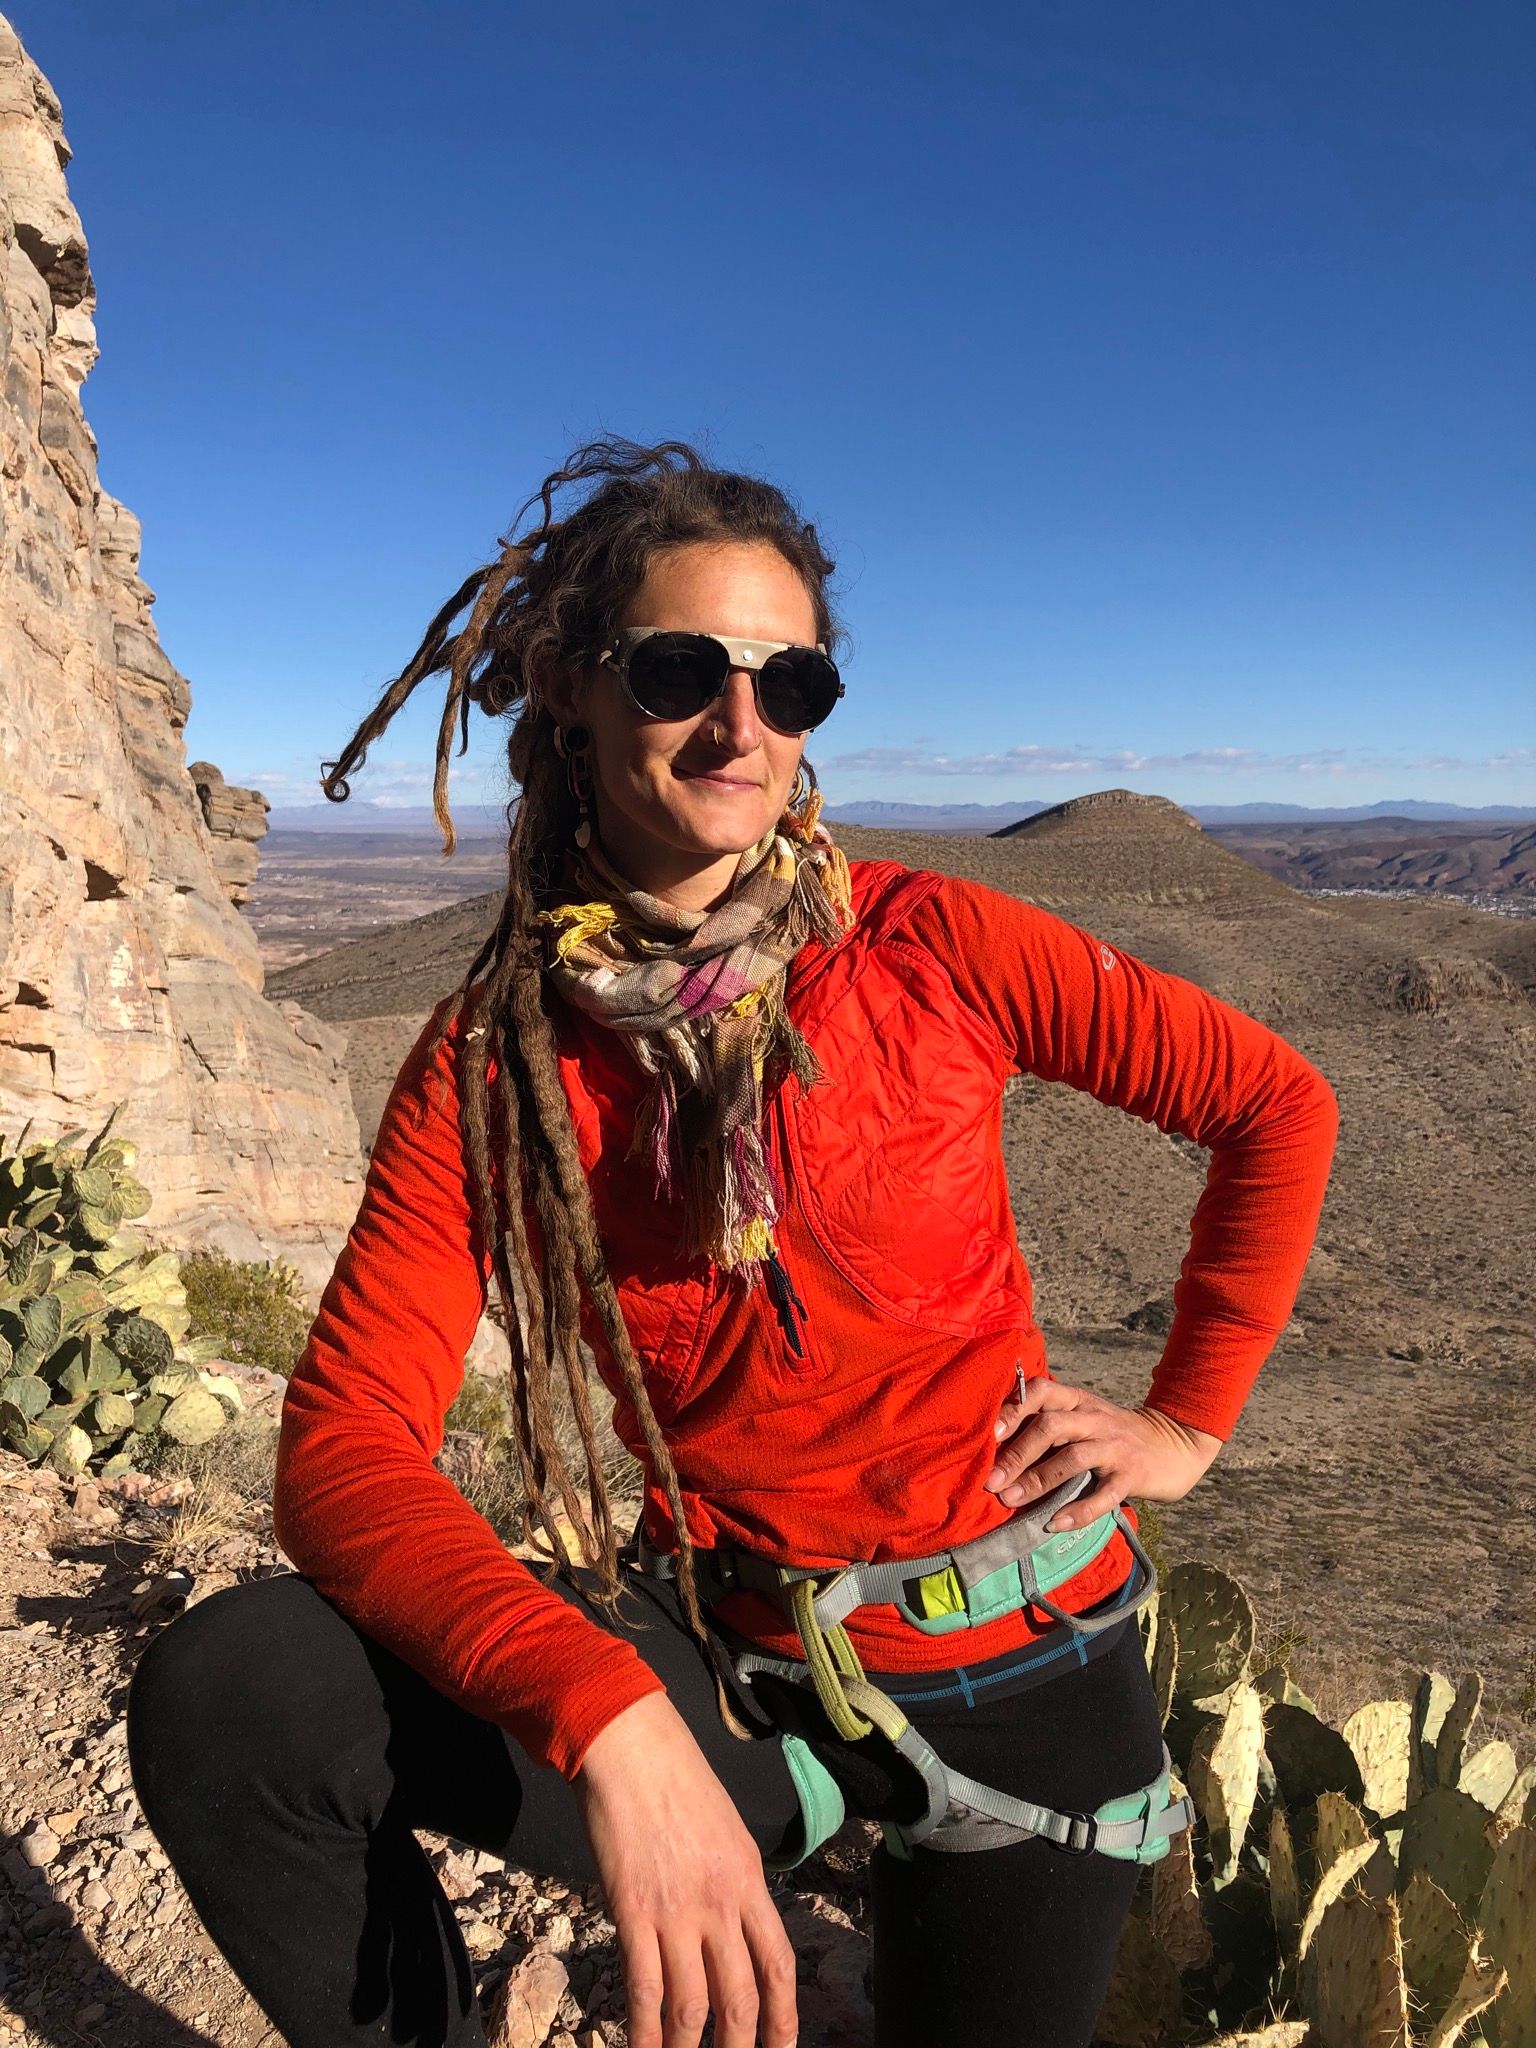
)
(236, 820)
(126, 973)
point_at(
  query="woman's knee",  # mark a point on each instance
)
(256, 1674)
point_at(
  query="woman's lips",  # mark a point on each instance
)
(715, 780)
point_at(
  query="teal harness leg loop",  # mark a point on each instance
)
(1015, 1565)
(822, 1811)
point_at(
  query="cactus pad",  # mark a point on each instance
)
(1489, 1774)
(1224, 1778)
(1481, 1985)
(1142, 2006)
(1451, 1742)
(1284, 1881)
(1216, 1628)
(1165, 1663)
(1436, 1945)
(1518, 1803)
(1331, 1886)
(1507, 1915)
(1309, 1758)
(1379, 1734)
(1432, 1701)
(1448, 1835)
(1177, 1919)
(193, 1417)
(70, 1450)
(1355, 1973)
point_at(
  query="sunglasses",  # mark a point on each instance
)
(676, 675)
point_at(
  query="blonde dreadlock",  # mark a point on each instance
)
(551, 600)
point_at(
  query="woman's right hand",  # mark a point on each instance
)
(685, 1888)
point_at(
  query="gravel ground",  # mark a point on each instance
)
(98, 1942)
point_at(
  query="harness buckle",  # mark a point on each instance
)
(1090, 1828)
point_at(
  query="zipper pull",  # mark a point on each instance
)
(782, 1290)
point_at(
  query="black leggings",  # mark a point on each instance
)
(283, 1759)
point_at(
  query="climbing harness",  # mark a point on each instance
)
(1015, 1565)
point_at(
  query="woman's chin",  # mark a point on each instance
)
(721, 827)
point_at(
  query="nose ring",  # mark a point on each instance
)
(715, 733)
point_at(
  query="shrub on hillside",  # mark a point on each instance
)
(256, 1310)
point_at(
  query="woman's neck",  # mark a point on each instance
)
(686, 881)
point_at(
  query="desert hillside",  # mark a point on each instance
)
(1420, 1013)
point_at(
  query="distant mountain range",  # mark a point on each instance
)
(476, 818)
(989, 817)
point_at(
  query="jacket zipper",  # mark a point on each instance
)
(787, 1302)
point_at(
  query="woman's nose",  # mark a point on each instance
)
(732, 722)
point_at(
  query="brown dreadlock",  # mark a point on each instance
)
(550, 601)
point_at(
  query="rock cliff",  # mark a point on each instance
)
(126, 972)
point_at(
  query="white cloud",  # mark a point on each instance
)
(1337, 763)
(389, 784)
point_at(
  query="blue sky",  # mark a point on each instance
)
(1160, 376)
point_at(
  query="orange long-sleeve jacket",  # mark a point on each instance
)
(855, 1420)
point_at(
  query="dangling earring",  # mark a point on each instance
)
(799, 796)
(573, 743)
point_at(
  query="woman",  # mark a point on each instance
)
(749, 1100)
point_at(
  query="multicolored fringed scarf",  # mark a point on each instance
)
(699, 995)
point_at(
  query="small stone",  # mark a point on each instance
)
(66, 1823)
(39, 1845)
(47, 1920)
(525, 2003)
(558, 1934)
(481, 1939)
(19, 1870)
(95, 1898)
(457, 1875)
(88, 2015)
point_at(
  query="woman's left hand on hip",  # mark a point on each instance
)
(1058, 1431)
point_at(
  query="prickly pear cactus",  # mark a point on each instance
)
(94, 1353)
(1370, 1888)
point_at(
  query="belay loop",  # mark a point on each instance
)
(829, 1654)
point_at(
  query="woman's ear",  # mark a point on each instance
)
(565, 691)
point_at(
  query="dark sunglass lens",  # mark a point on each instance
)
(798, 688)
(674, 675)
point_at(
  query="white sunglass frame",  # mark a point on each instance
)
(750, 655)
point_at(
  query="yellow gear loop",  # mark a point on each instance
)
(832, 1659)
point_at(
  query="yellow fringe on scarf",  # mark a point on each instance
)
(754, 1243)
(583, 921)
